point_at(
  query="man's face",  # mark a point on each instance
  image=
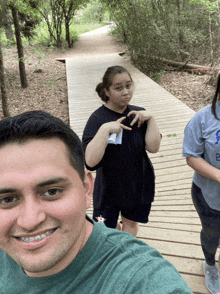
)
(43, 204)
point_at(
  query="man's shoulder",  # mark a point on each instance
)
(125, 243)
(2, 257)
(137, 264)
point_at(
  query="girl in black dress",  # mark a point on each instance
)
(115, 141)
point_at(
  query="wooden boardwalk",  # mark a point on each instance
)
(174, 227)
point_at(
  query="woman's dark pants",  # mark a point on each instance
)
(210, 220)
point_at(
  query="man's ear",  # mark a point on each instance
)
(89, 187)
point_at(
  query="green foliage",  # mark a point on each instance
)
(181, 30)
(2, 11)
(42, 35)
(156, 76)
(93, 13)
(4, 40)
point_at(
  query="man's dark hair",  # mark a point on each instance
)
(42, 125)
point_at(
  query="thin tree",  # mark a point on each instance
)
(3, 87)
(2, 76)
(22, 71)
(69, 8)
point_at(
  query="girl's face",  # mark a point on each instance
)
(120, 92)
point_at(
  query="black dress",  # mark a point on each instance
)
(125, 175)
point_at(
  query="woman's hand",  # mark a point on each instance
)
(140, 117)
(96, 148)
(115, 126)
(152, 136)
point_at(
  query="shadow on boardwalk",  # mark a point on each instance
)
(174, 227)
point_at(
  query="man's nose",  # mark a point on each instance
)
(31, 215)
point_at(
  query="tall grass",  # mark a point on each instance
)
(84, 28)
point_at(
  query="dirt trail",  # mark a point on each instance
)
(95, 42)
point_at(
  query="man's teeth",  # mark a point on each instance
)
(38, 237)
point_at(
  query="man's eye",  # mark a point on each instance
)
(7, 200)
(52, 192)
(128, 86)
(118, 89)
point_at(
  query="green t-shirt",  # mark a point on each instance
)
(111, 262)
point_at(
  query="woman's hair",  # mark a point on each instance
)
(107, 80)
(215, 98)
(41, 125)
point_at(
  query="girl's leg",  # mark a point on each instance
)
(209, 242)
(129, 226)
(210, 220)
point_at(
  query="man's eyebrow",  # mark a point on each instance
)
(39, 185)
(7, 190)
(52, 181)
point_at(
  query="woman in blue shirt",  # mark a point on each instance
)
(201, 147)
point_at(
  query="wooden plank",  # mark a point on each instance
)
(168, 184)
(168, 214)
(186, 191)
(169, 164)
(173, 226)
(183, 169)
(161, 159)
(192, 251)
(185, 237)
(173, 202)
(174, 219)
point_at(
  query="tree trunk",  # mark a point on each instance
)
(185, 66)
(3, 87)
(22, 71)
(67, 31)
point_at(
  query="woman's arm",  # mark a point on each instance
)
(152, 136)
(95, 150)
(203, 168)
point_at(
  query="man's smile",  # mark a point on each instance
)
(36, 237)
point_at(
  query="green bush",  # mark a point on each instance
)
(42, 35)
(186, 31)
(93, 13)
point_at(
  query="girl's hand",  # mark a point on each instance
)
(115, 126)
(140, 117)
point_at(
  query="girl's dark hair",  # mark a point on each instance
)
(41, 125)
(107, 80)
(215, 98)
